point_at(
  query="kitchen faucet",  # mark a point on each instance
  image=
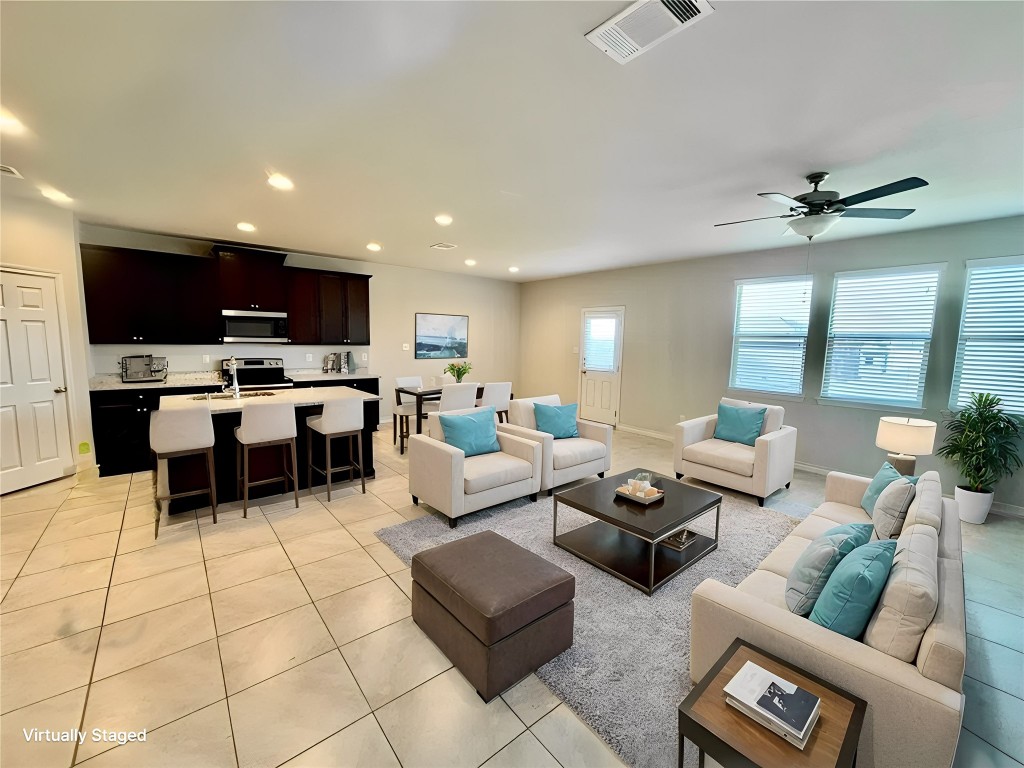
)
(233, 368)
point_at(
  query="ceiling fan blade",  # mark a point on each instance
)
(889, 189)
(786, 200)
(877, 213)
(763, 218)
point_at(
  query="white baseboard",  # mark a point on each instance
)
(645, 432)
(814, 468)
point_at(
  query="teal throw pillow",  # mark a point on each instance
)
(739, 425)
(472, 433)
(557, 420)
(814, 567)
(882, 478)
(852, 592)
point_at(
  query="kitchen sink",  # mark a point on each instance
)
(229, 396)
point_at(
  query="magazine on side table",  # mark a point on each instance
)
(784, 708)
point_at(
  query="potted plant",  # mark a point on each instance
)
(458, 370)
(982, 441)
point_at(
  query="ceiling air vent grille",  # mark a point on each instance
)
(6, 170)
(645, 24)
(443, 246)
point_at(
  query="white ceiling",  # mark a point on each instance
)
(550, 156)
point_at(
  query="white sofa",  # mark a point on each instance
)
(566, 459)
(914, 706)
(759, 470)
(448, 480)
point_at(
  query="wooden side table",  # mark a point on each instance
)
(736, 741)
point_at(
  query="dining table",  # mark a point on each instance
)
(425, 395)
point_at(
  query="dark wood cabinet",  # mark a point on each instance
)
(332, 308)
(328, 307)
(136, 296)
(252, 280)
(303, 306)
(357, 310)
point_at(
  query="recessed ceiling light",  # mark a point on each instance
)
(443, 219)
(280, 181)
(373, 247)
(55, 195)
(470, 262)
(245, 226)
(10, 124)
(513, 269)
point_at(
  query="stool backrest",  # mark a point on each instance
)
(455, 397)
(344, 414)
(263, 422)
(182, 428)
(408, 381)
(498, 394)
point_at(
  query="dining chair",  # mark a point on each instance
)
(456, 397)
(497, 394)
(403, 409)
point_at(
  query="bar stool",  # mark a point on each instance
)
(342, 417)
(402, 410)
(263, 425)
(497, 394)
(183, 431)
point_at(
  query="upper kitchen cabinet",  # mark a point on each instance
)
(134, 297)
(252, 280)
(303, 306)
(328, 307)
(357, 309)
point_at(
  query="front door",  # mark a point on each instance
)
(601, 364)
(35, 439)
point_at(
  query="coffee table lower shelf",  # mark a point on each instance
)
(628, 557)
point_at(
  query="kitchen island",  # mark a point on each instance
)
(188, 472)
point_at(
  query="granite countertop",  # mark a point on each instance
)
(295, 397)
(112, 381)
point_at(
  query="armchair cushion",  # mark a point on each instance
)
(559, 421)
(722, 454)
(572, 451)
(491, 470)
(773, 417)
(739, 425)
(473, 433)
(520, 411)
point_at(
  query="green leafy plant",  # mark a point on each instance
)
(458, 370)
(982, 442)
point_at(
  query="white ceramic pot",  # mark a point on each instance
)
(974, 506)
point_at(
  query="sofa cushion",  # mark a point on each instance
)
(491, 470)
(773, 415)
(739, 425)
(891, 508)
(721, 454)
(841, 513)
(851, 594)
(815, 526)
(472, 433)
(885, 475)
(910, 597)
(766, 586)
(559, 421)
(782, 559)
(927, 504)
(816, 564)
(573, 451)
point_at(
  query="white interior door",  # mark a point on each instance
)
(601, 364)
(35, 439)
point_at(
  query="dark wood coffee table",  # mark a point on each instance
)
(625, 540)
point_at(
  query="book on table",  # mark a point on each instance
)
(784, 708)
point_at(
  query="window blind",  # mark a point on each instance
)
(879, 334)
(599, 337)
(990, 353)
(769, 339)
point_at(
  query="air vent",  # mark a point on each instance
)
(645, 24)
(6, 170)
(443, 246)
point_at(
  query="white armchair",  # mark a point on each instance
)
(759, 470)
(567, 459)
(456, 485)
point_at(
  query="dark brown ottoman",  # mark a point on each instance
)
(496, 610)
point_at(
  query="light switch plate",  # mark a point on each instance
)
(309, 358)
(405, 347)
(365, 357)
(206, 358)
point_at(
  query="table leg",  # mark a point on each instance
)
(554, 534)
(650, 579)
(419, 414)
(718, 514)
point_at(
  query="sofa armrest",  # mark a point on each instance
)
(894, 690)
(437, 474)
(693, 431)
(600, 433)
(774, 459)
(547, 443)
(845, 489)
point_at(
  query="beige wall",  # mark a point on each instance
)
(678, 335)
(40, 235)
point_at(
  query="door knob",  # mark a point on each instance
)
(60, 390)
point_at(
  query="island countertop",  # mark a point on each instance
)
(297, 397)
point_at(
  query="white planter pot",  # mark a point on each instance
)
(974, 506)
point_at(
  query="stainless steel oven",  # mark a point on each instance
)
(255, 327)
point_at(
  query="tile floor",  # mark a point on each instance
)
(286, 638)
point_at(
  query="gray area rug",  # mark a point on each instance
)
(628, 668)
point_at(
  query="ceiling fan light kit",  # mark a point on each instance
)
(816, 212)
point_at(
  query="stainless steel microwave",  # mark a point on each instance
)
(246, 326)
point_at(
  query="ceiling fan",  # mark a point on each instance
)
(814, 213)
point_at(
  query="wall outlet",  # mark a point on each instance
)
(309, 358)
(206, 358)
(365, 357)
(405, 347)
(575, 350)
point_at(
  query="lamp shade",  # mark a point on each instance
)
(812, 226)
(913, 437)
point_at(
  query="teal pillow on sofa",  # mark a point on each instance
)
(814, 567)
(557, 420)
(472, 433)
(882, 478)
(852, 592)
(739, 425)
